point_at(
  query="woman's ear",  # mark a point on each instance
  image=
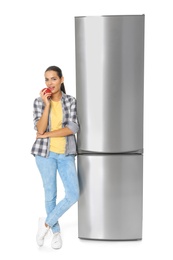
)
(62, 79)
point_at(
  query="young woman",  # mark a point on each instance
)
(55, 121)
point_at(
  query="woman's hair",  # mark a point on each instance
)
(59, 73)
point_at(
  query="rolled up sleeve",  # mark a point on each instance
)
(72, 123)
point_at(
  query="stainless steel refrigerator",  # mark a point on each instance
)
(109, 90)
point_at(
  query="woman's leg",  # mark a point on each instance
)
(67, 172)
(48, 171)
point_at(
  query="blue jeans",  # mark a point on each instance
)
(48, 167)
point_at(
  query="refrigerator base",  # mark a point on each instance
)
(116, 240)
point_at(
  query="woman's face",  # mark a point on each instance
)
(53, 81)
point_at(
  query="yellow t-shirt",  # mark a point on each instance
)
(57, 144)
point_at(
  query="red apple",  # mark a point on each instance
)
(47, 90)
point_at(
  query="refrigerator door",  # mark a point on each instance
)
(109, 82)
(110, 204)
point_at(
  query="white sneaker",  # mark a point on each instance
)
(56, 241)
(42, 231)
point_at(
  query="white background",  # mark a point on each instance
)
(34, 35)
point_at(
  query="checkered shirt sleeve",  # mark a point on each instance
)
(37, 111)
(70, 114)
(40, 146)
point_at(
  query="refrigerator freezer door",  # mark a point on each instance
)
(110, 204)
(109, 82)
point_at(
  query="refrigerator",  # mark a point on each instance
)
(109, 60)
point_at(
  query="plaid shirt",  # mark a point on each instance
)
(41, 145)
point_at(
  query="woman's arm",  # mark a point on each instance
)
(73, 120)
(71, 128)
(56, 133)
(43, 121)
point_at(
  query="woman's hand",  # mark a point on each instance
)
(45, 96)
(41, 135)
